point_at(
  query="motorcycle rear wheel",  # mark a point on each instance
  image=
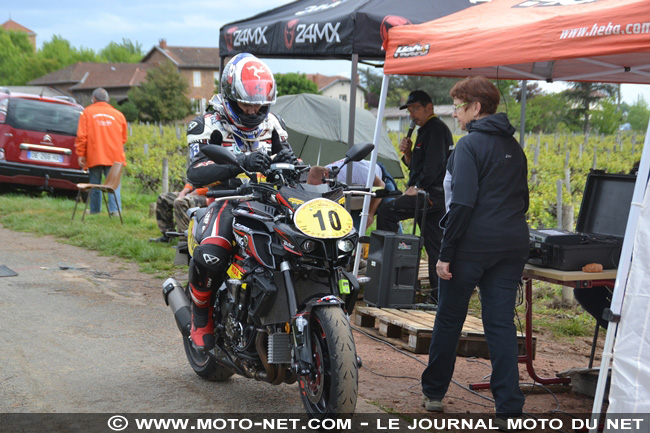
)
(331, 388)
(204, 363)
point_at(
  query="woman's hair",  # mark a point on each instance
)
(477, 89)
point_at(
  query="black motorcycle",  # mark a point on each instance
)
(282, 314)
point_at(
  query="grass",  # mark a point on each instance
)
(43, 214)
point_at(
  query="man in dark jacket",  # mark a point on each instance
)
(426, 161)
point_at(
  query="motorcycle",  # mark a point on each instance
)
(282, 314)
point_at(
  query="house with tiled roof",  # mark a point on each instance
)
(80, 79)
(13, 26)
(198, 65)
(337, 87)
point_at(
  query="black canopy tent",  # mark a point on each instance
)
(321, 29)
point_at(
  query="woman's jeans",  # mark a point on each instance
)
(498, 278)
(95, 176)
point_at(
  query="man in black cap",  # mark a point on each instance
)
(426, 161)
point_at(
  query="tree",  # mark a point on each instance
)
(55, 54)
(437, 87)
(15, 49)
(371, 81)
(608, 118)
(294, 84)
(162, 97)
(127, 108)
(532, 90)
(638, 115)
(583, 95)
(544, 113)
(64, 54)
(127, 52)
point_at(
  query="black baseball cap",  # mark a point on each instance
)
(417, 96)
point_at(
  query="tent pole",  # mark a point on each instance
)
(371, 173)
(622, 274)
(353, 107)
(522, 115)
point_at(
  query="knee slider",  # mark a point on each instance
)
(212, 257)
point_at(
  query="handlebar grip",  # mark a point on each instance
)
(222, 193)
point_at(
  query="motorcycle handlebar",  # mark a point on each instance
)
(222, 193)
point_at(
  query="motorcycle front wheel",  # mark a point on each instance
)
(205, 364)
(331, 388)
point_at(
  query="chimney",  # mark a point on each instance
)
(163, 44)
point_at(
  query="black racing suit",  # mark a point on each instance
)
(214, 233)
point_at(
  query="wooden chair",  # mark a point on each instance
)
(111, 183)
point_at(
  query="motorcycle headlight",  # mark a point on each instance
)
(308, 246)
(345, 245)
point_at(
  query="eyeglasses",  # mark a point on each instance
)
(456, 107)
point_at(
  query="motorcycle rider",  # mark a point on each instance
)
(242, 123)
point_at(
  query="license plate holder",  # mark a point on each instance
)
(44, 156)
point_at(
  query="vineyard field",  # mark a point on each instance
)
(565, 157)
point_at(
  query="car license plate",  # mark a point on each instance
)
(43, 156)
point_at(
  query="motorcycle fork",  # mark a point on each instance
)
(299, 326)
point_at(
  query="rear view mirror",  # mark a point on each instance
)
(359, 151)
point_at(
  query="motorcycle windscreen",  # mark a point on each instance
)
(293, 198)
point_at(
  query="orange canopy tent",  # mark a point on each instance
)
(553, 40)
(558, 40)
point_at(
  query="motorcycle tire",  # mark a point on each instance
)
(331, 388)
(205, 364)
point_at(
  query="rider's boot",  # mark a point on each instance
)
(202, 330)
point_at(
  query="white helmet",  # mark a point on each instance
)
(248, 80)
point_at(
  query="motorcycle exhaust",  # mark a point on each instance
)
(176, 299)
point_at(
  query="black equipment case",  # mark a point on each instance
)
(599, 230)
(394, 264)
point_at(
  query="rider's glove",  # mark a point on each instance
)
(285, 155)
(255, 161)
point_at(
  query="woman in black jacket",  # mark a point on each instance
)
(485, 244)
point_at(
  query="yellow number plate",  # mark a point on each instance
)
(323, 218)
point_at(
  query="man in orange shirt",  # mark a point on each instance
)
(101, 135)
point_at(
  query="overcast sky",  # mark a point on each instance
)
(94, 24)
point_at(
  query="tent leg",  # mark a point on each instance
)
(371, 173)
(522, 115)
(353, 108)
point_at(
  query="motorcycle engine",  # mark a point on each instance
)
(235, 332)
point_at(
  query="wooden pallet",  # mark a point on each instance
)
(411, 330)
